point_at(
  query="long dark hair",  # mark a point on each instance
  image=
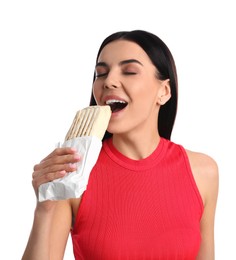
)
(162, 59)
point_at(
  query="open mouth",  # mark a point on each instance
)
(116, 105)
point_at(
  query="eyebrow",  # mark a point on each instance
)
(104, 64)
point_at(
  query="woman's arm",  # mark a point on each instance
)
(49, 232)
(52, 219)
(205, 171)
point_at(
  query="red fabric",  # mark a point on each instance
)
(145, 209)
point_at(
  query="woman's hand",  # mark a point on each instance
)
(56, 165)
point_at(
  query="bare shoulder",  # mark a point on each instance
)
(203, 163)
(205, 172)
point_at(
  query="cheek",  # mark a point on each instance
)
(146, 95)
(143, 92)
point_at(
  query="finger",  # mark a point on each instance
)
(44, 178)
(51, 173)
(61, 151)
(58, 160)
(55, 169)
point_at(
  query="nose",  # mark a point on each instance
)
(111, 81)
(109, 86)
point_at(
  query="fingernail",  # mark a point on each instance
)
(73, 165)
(62, 173)
(77, 156)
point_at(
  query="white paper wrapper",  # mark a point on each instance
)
(74, 184)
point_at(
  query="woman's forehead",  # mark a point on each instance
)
(119, 50)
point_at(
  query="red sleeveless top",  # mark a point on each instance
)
(139, 209)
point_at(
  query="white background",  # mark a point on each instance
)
(47, 57)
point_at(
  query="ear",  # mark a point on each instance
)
(164, 93)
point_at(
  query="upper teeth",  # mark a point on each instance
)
(111, 101)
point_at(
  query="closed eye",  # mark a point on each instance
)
(130, 73)
(101, 75)
(105, 74)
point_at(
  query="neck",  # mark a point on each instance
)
(136, 147)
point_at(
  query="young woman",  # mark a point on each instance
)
(147, 197)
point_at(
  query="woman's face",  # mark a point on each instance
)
(126, 80)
